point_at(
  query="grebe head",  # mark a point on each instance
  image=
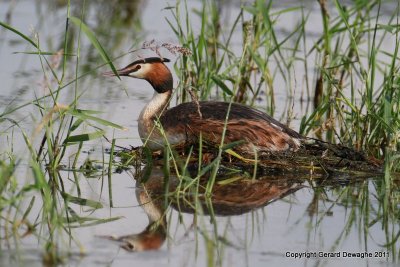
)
(151, 69)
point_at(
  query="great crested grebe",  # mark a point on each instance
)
(184, 123)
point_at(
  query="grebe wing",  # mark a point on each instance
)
(244, 123)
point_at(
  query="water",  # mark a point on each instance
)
(312, 218)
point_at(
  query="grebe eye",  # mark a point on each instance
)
(137, 67)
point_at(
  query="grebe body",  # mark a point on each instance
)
(185, 123)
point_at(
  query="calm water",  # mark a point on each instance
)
(310, 219)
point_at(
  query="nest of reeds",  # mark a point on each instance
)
(315, 158)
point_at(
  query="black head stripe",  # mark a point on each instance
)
(145, 60)
(151, 60)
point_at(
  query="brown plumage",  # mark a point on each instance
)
(258, 130)
(183, 124)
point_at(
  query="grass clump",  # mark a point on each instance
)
(60, 128)
(350, 105)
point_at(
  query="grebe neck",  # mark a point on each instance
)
(157, 104)
(150, 113)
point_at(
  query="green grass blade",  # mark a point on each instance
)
(98, 221)
(83, 137)
(8, 27)
(92, 38)
(233, 144)
(222, 85)
(44, 53)
(84, 115)
(81, 201)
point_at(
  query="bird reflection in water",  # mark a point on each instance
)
(240, 196)
(154, 235)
